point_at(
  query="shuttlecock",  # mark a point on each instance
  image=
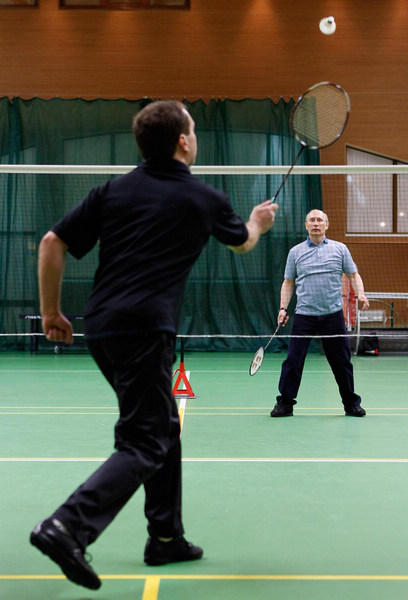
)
(327, 25)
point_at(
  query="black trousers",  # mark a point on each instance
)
(147, 441)
(336, 349)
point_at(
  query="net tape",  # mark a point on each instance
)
(363, 333)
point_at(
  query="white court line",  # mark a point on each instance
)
(206, 371)
(50, 371)
(299, 460)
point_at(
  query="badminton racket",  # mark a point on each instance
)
(260, 353)
(318, 119)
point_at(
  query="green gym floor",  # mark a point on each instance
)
(308, 508)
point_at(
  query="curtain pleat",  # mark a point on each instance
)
(226, 293)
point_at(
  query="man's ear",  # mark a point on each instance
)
(183, 142)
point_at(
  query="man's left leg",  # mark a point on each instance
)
(338, 354)
(163, 509)
(163, 501)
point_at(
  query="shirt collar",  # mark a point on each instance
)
(310, 243)
(170, 165)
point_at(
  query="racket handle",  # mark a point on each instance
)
(287, 174)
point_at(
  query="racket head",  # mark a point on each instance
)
(257, 361)
(320, 115)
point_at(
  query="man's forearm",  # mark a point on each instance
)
(286, 293)
(358, 287)
(357, 284)
(51, 261)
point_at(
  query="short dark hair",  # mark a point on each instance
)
(157, 128)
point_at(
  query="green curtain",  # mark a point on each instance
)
(226, 293)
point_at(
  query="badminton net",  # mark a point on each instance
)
(231, 301)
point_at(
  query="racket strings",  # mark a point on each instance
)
(320, 116)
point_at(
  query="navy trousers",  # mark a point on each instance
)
(336, 349)
(147, 441)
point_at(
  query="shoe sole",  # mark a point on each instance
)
(278, 416)
(156, 562)
(47, 546)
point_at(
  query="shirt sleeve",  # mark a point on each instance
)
(229, 228)
(349, 266)
(79, 228)
(290, 268)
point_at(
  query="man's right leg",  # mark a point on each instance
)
(142, 435)
(142, 432)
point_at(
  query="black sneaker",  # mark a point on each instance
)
(54, 540)
(177, 550)
(282, 410)
(355, 411)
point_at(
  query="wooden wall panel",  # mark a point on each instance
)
(219, 48)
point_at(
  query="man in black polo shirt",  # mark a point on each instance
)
(152, 225)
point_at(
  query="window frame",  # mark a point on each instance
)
(394, 195)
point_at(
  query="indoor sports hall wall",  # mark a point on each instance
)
(240, 49)
(219, 48)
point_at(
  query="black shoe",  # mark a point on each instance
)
(355, 411)
(177, 550)
(282, 410)
(54, 540)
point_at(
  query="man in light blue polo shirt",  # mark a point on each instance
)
(315, 268)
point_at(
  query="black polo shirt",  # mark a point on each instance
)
(152, 225)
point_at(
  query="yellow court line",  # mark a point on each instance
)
(153, 581)
(182, 410)
(61, 407)
(209, 459)
(151, 588)
(54, 459)
(55, 413)
(191, 408)
(207, 413)
(182, 405)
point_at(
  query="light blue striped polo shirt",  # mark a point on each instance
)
(317, 270)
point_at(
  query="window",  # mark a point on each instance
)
(377, 203)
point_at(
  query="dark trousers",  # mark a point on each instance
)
(147, 441)
(336, 349)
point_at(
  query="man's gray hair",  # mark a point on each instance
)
(326, 218)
